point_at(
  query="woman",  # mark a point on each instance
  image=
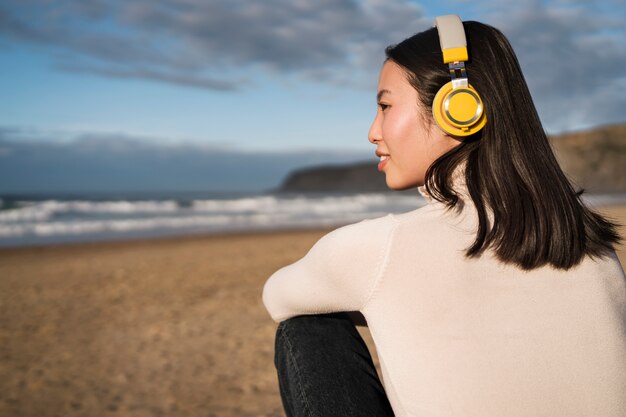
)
(503, 296)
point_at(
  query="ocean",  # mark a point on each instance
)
(50, 219)
(28, 220)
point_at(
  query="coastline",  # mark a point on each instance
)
(164, 326)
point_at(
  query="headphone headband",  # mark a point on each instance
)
(451, 38)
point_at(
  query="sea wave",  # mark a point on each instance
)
(47, 209)
(30, 221)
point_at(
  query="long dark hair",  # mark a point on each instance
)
(538, 217)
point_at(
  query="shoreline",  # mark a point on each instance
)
(167, 239)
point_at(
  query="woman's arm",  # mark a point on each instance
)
(339, 273)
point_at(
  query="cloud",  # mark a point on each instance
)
(572, 54)
(187, 80)
(196, 42)
(32, 163)
(571, 50)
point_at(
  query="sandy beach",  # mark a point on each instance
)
(170, 327)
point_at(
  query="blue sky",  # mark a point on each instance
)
(273, 77)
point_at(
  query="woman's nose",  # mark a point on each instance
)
(375, 133)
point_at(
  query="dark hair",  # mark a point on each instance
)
(511, 170)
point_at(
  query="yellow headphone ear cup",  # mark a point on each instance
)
(459, 111)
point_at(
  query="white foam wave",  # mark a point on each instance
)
(239, 205)
(47, 210)
(74, 218)
(99, 226)
(54, 220)
(29, 213)
(197, 222)
(297, 204)
(44, 210)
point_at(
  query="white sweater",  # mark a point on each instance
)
(467, 337)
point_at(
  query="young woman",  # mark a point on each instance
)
(502, 296)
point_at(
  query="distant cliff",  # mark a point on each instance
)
(360, 177)
(594, 159)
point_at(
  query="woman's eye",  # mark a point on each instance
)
(383, 106)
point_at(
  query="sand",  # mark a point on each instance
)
(170, 327)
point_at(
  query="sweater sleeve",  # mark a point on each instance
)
(337, 274)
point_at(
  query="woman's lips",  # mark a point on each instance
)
(383, 162)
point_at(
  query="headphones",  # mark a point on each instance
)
(458, 109)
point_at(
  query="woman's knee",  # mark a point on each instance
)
(306, 329)
(323, 364)
(307, 335)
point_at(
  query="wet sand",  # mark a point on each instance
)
(170, 327)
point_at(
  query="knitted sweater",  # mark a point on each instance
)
(467, 337)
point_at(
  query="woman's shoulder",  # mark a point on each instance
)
(379, 231)
(435, 214)
(607, 265)
(366, 229)
(389, 221)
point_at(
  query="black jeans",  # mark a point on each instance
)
(325, 369)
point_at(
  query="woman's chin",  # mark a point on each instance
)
(399, 185)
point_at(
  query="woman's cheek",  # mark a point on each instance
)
(390, 129)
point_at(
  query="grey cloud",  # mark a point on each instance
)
(188, 80)
(70, 28)
(198, 41)
(572, 55)
(571, 50)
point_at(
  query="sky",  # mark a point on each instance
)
(226, 78)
